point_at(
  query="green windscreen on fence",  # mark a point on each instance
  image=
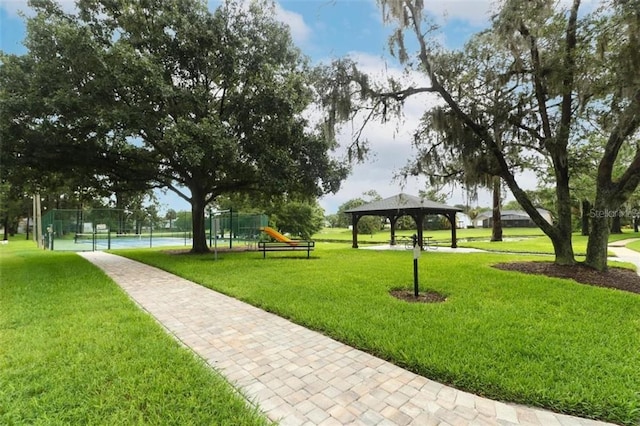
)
(104, 229)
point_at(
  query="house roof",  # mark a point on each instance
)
(402, 203)
(510, 214)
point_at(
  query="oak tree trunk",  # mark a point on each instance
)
(496, 228)
(599, 236)
(616, 223)
(586, 208)
(198, 204)
(561, 235)
(564, 251)
(597, 245)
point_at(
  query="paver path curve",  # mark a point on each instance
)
(624, 254)
(298, 376)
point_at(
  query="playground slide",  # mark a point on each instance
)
(278, 236)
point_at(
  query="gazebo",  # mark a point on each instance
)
(400, 205)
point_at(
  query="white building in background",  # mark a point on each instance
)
(463, 221)
(511, 219)
(22, 225)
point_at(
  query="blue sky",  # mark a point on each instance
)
(328, 29)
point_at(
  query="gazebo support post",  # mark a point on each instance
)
(420, 230)
(419, 220)
(354, 224)
(452, 220)
(393, 220)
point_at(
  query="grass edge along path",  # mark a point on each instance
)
(539, 341)
(634, 245)
(74, 349)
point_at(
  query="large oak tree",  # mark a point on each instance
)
(207, 102)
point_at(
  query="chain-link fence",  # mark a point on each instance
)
(104, 229)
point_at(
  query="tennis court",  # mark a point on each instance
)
(109, 229)
(92, 242)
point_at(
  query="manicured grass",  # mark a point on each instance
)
(75, 350)
(539, 341)
(524, 245)
(516, 240)
(539, 244)
(634, 245)
(444, 235)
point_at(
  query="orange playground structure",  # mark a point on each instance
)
(278, 236)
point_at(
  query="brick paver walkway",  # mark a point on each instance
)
(624, 254)
(298, 376)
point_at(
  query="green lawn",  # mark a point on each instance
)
(444, 235)
(540, 244)
(539, 341)
(516, 240)
(634, 245)
(75, 350)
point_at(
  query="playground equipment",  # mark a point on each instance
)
(278, 236)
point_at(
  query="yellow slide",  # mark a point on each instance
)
(278, 236)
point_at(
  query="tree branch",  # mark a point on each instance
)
(180, 193)
(627, 126)
(539, 88)
(401, 95)
(569, 76)
(530, 130)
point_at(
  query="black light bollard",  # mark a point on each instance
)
(416, 255)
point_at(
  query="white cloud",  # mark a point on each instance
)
(475, 12)
(13, 8)
(478, 12)
(300, 31)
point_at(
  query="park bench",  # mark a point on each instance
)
(295, 245)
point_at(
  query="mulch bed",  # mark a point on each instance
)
(618, 278)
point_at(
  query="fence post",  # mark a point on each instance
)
(416, 255)
(230, 227)
(210, 228)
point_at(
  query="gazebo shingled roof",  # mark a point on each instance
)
(404, 205)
